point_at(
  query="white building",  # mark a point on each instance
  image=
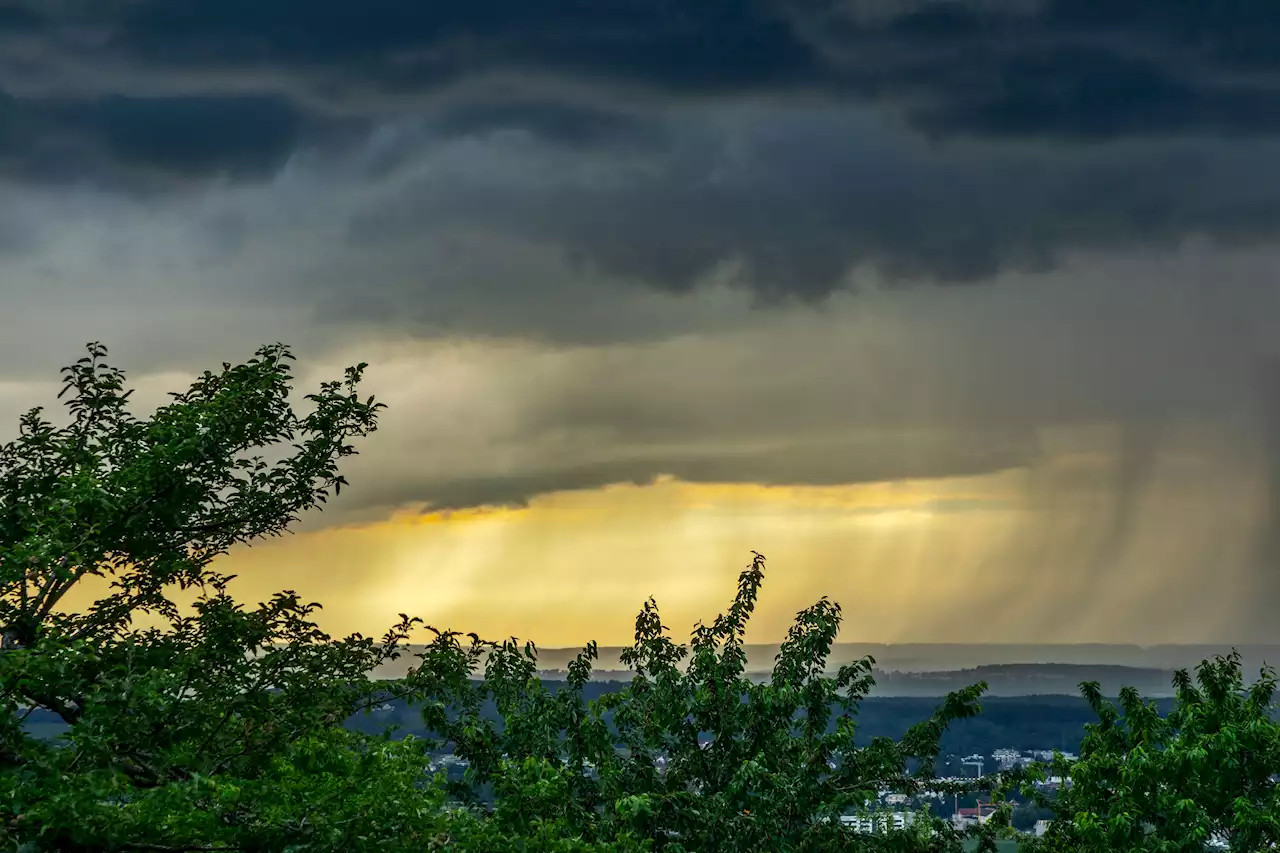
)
(1006, 758)
(971, 815)
(878, 821)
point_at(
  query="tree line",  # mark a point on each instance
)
(224, 727)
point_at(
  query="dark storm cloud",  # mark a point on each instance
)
(1088, 92)
(157, 93)
(398, 46)
(1067, 67)
(810, 463)
(802, 198)
(1062, 68)
(186, 180)
(1090, 67)
(129, 142)
(555, 122)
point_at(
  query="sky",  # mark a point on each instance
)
(962, 312)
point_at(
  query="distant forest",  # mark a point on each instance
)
(1013, 722)
(1007, 679)
(1030, 679)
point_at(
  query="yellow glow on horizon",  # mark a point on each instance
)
(574, 566)
(910, 561)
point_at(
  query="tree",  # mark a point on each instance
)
(148, 504)
(708, 760)
(1025, 816)
(223, 729)
(1149, 783)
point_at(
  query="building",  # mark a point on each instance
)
(965, 816)
(1006, 759)
(878, 821)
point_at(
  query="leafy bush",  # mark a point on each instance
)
(1149, 783)
(223, 729)
(708, 760)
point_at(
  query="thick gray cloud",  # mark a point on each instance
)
(879, 386)
(713, 232)
(803, 461)
(1079, 67)
(154, 95)
(133, 142)
(800, 197)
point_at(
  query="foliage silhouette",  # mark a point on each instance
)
(708, 760)
(1144, 782)
(223, 729)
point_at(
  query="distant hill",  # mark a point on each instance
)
(1010, 669)
(1024, 679)
(1023, 722)
(1028, 679)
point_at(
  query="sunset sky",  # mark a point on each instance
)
(963, 312)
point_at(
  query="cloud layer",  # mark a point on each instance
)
(802, 138)
(782, 242)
